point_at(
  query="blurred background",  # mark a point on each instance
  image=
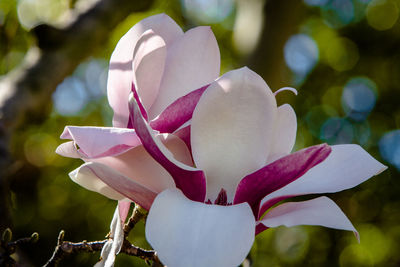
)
(343, 57)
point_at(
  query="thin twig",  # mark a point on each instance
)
(64, 248)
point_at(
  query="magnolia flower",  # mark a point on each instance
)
(241, 143)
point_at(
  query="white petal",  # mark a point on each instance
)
(232, 127)
(285, 129)
(120, 74)
(87, 179)
(187, 233)
(319, 211)
(346, 166)
(114, 244)
(148, 65)
(192, 62)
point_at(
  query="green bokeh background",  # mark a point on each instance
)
(354, 39)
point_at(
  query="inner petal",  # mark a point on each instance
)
(232, 126)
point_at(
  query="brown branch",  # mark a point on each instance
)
(64, 248)
(27, 90)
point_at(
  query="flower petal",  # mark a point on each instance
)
(346, 166)
(189, 233)
(232, 126)
(141, 167)
(86, 178)
(192, 62)
(318, 211)
(120, 76)
(190, 180)
(123, 208)
(285, 130)
(179, 112)
(113, 246)
(96, 142)
(104, 180)
(69, 150)
(254, 187)
(148, 65)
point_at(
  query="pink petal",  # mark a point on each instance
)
(190, 180)
(122, 184)
(231, 130)
(120, 75)
(148, 65)
(87, 179)
(96, 142)
(123, 209)
(346, 166)
(254, 187)
(188, 233)
(285, 129)
(192, 62)
(179, 112)
(141, 167)
(318, 211)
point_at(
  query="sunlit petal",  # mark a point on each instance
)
(148, 65)
(99, 141)
(232, 127)
(120, 76)
(319, 211)
(192, 62)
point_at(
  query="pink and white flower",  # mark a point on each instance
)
(210, 186)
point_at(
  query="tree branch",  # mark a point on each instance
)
(28, 89)
(64, 248)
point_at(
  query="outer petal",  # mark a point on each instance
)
(104, 180)
(188, 233)
(285, 129)
(141, 167)
(86, 178)
(148, 65)
(319, 211)
(96, 142)
(192, 62)
(347, 166)
(114, 244)
(123, 208)
(120, 74)
(232, 127)
(254, 187)
(190, 180)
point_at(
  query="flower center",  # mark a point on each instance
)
(221, 200)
